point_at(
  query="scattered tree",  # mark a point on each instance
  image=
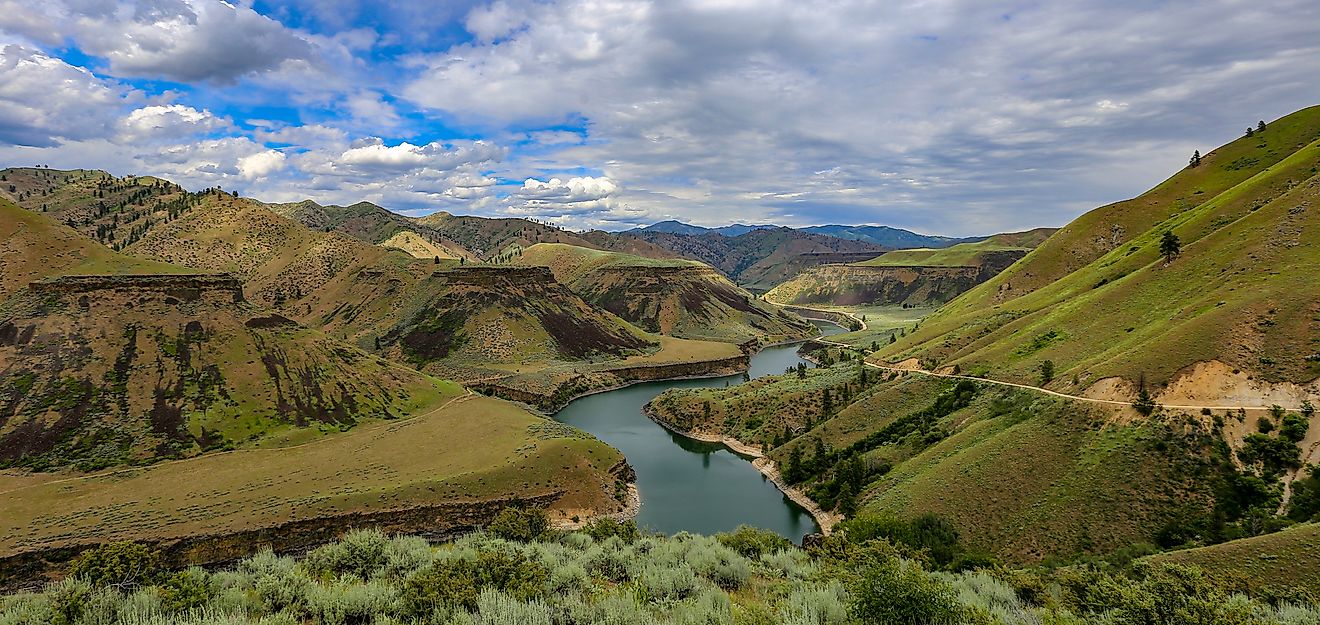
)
(1195, 160)
(1250, 131)
(1046, 372)
(1145, 404)
(1260, 126)
(1170, 246)
(437, 260)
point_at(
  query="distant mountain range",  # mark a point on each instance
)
(885, 236)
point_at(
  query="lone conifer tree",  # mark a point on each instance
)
(1196, 159)
(1260, 126)
(1170, 246)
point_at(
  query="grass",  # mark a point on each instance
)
(1288, 557)
(470, 450)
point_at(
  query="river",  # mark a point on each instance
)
(689, 485)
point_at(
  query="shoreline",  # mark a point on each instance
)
(763, 464)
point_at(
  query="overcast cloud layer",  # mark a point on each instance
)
(945, 117)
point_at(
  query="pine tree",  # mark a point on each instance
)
(847, 500)
(1145, 404)
(793, 466)
(826, 403)
(1250, 131)
(1196, 159)
(1260, 126)
(1170, 246)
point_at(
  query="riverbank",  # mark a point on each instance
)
(767, 467)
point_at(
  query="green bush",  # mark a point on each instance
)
(458, 582)
(520, 524)
(120, 565)
(600, 529)
(360, 553)
(186, 590)
(898, 592)
(752, 542)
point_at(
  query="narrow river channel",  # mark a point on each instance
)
(689, 485)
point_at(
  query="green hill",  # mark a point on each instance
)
(1099, 301)
(682, 298)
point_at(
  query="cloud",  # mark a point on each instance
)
(169, 121)
(181, 40)
(569, 191)
(45, 101)
(956, 116)
(261, 164)
(948, 116)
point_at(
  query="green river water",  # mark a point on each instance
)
(689, 485)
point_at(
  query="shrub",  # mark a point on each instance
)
(360, 553)
(666, 583)
(120, 565)
(1294, 428)
(458, 582)
(186, 590)
(520, 524)
(601, 529)
(898, 592)
(752, 542)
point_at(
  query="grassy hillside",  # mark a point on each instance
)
(1288, 557)
(680, 298)
(99, 369)
(1019, 476)
(462, 461)
(1232, 295)
(367, 222)
(34, 246)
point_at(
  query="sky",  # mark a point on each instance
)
(954, 117)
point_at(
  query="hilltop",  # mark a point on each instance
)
(909, 277)
(681, 298)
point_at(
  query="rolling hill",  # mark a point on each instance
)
(153, 361)
(681, 298)
(912, 277)
(471, 317)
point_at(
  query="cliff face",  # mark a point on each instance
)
(102, 370)
(847, 285)
(850, 285)
(690, 301)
